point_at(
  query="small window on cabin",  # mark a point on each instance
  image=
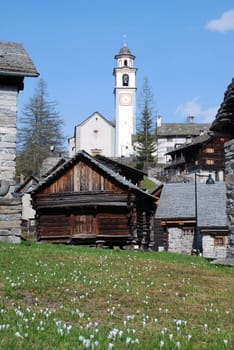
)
(125, 80)
(188, 231)
(209, 161)
(209, 150)
(125, 63)
(219, 241)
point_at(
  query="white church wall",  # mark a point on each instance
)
(96, 135)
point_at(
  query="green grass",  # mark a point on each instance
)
(64, 297)
(148, 184)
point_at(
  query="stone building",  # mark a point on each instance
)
(187, 229)
(15, 65)
(223, 126)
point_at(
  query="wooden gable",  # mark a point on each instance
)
(81, 178)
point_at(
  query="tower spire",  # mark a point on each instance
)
(124, 40)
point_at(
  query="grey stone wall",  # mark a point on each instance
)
(180, 242)
(229, 179)
(10, 205)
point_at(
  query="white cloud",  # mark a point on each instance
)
(194, 108)
(223, 24)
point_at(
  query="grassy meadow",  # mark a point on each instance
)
(67, 297)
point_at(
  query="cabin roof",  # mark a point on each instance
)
(177, 202)
(27, 185)
(15, 61)
(119, 167)
(86, 157)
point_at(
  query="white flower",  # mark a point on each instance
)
(110, 346)
(161, 344)
(225, 341)
(189, 337)
(128, 340)
(18, 335)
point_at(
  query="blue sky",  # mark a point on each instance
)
(184, 48)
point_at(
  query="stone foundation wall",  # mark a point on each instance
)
(229, 179)
(179, 242)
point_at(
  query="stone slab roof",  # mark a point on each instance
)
(224, 121)
(177, 202)
(15, 61)
(182, 129)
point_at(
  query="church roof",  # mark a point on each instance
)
(224, 121)
(15, 61)
(112, 123)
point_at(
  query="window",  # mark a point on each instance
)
(209, 150)
(188, 231)
(125, 79)
(125, 63)
(219, 241)
(209, 162)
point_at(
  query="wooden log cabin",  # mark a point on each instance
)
(86, 202)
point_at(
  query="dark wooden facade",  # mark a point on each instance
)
(204, 153)
(85, 202)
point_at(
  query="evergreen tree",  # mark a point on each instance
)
(146, 138)
(40, 129)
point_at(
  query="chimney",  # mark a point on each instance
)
(190, 119)
(159, 121)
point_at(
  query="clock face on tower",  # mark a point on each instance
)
(125, 99)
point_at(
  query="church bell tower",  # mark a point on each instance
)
(125, 102)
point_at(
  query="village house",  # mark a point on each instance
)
(172, 135)
(84, 201)
(205, 154)
(184, 231)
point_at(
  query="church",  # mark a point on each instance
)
(98, 135)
